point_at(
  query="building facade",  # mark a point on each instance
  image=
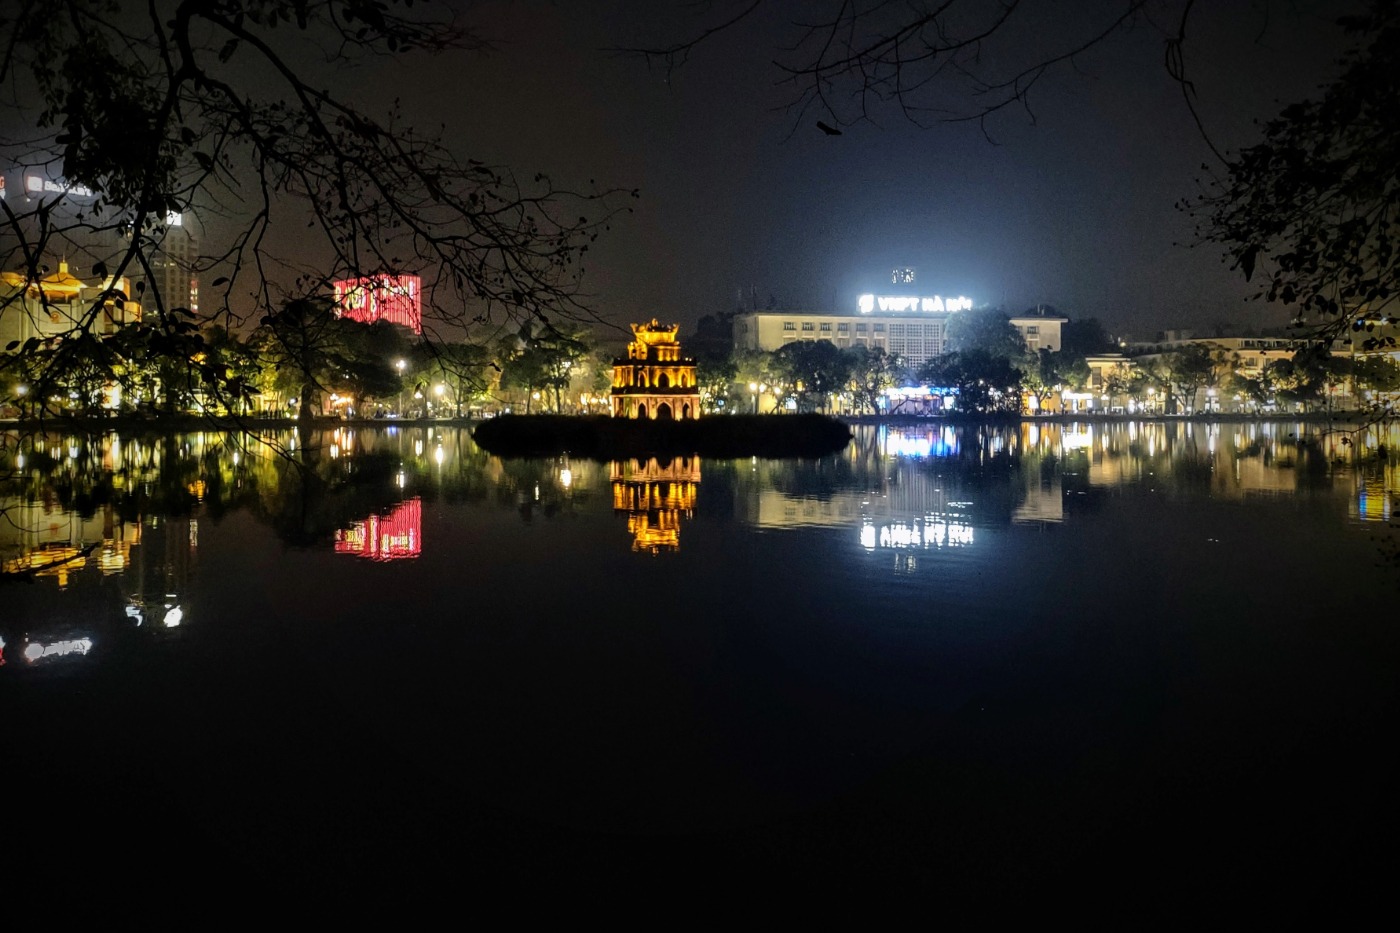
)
(59, 304)
(914, 328)
(654, 381)
(397, 299)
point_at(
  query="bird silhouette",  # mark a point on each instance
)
(828, 130)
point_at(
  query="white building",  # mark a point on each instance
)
(910, 326)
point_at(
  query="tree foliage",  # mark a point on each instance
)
(987, 329)
(814, 369)
(985, 381)
(141, 113)
(1311, 209)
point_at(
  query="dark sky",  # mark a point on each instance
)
(1075, 209)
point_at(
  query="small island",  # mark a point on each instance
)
(599, 437)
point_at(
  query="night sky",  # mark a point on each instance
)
(1075, 208)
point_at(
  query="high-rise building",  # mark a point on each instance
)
(173, 265)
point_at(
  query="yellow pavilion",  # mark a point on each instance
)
(654, 381)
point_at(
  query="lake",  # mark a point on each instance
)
(1145, 656)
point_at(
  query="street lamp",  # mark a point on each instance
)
(399, 365)
(753, 390)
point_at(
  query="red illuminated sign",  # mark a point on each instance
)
(395, 536)
(397, 299)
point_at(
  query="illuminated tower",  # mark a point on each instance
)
(654, 381)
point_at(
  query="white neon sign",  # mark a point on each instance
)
(34, 651)
(37, 184)
(897, 303)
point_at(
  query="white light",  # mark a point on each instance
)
(34, 650)
(173, 615)
(903, 303)
(566, 477)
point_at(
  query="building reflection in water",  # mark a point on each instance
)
(655, 495)
(888, 491)
(396, 535)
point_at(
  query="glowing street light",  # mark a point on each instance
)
(399, 365)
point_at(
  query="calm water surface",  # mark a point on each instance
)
(996, 654)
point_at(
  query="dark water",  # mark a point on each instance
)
(1142, 656)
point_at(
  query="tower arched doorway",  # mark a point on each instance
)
(663, 412)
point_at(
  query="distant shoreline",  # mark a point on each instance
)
(227, 423)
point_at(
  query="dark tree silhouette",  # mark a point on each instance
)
(131, 115)
(1314, 207)
(931, 60)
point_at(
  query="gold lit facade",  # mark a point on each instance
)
(655, 497)
(654, 381)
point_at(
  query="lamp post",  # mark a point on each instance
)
(753, 390)
(399, 365)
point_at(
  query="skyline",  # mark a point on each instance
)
(1076, 209)
(1072, 203)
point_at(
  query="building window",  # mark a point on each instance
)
(788, 325)
(843, 328)
(807, 326)
(879, 328)
(826, 328)
(1033, 329)
(860, 328)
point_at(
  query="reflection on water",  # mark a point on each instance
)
(655, 495)
(126, 514)
(396, 535)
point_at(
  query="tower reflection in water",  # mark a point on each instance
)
(655, 495)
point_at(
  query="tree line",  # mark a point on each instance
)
(307, 361)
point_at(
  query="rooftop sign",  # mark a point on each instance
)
(37, 184)
(870, 303)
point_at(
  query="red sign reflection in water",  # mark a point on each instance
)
(395, 536)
